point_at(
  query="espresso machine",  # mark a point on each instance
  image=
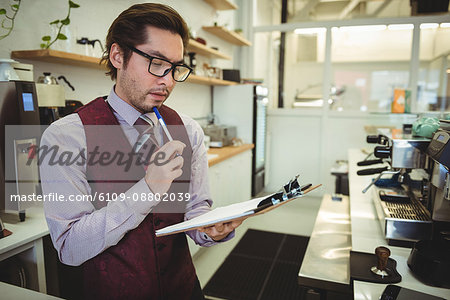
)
(401, 189)
(429, 260)
(439, 152)
(19, 117)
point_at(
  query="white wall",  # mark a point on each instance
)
(268, 12)
(306, 142)
(92, 19)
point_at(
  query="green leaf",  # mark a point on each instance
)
(2, 11)
(66, 21)
(43, 46)
(15, 7)
(61, 37)
(46, 38)
(73, 4)
(54, 22)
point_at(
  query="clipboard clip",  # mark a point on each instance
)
(290, 190)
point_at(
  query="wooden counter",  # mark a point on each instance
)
(226, 152)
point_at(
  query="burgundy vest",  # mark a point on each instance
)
(141, 265)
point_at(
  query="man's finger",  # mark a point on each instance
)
(219, 227)
(172, 148)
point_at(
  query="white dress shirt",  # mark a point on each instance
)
(79, 231)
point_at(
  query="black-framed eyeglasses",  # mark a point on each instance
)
(161, 67)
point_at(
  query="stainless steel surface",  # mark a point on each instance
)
(327, 258)
(378, 177)
(440, 185)
(409, 154)
(367, 234)
(50, 95)
(221, 133)
(47, 78)
(407, 151)
(403, 221)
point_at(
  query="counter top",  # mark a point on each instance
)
(326, 261)
(218, 155)
(367, 235)
(34, 227)
(14, 292)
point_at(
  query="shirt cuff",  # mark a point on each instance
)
(209, 241)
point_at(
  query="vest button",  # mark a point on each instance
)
(161, 246)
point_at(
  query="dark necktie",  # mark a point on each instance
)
(146, 143)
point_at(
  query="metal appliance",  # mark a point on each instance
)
(429, 260)
(401, 200)
(221, 135)
(19, 170)
(439, 151)
(51, 97)
(245, 106)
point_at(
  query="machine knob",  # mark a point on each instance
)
(382, 152)
(377, 139)
(372, 139)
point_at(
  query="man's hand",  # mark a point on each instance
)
(165, 166)
(221, 230)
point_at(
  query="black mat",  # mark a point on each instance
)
(361, 262)
(263, 265)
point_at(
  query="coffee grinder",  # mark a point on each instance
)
(19, 116)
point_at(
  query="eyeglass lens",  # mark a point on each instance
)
(159, 67)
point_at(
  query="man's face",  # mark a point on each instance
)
(136, 85)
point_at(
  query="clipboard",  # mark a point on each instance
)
(243, 210)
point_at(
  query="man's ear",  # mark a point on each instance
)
(116, 56)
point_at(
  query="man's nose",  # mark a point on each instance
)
(167, 79)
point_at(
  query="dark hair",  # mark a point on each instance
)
(129, 29)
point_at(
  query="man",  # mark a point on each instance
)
(112, 236)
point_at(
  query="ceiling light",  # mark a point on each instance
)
(365, 28)
(445, 25)
(429, 25)
(310, 30)
(400, 26)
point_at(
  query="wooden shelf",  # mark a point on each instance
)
(227, 35)
(222, 4)
(208, 80)
(201, 49)
(60, 57)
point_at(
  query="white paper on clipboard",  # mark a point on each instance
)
(224, 214)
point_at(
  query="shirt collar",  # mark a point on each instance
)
(125, 110)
